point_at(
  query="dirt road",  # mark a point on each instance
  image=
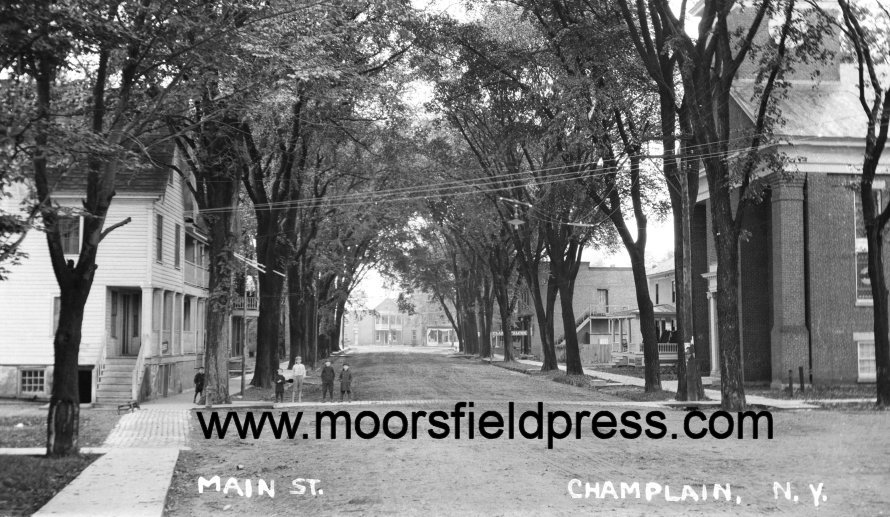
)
(846, 452)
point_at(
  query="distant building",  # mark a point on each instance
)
(599, 291)
(385, 324)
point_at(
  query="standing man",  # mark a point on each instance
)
(199, 385)
(327, 380)
(299, 376)
(346, 383)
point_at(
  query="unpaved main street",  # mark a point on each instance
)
(847, 452)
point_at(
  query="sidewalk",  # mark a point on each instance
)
(133, 476)
(672, 386)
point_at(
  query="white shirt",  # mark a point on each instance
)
(299, 370)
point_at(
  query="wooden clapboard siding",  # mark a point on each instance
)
(26, 297)
(165, 274)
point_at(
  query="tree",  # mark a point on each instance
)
(94, 122)
(708, 66)
(291, 135)
(870, 54)
(603, 93)
(679, 166)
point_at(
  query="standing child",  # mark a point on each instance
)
(279, 386)
(299, 375)
(199, 385)
(327, 380)
(346, 383)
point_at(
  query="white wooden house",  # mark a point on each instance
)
(144, 321)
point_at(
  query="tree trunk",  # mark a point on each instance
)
(545, 318)
(878, 292)
(725, 238)
(62, 430)
(500, 280)
(647, 323)
(710, 117)
(219, 306)
(338, 321)
(506, 325)
(573, 354)
(267, 361)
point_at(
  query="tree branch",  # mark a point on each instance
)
(113, 227)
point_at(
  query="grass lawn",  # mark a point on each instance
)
(668, 373)
(29, 482)
(95, 424)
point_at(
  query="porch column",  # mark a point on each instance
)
(145, 326)
(789, 338)
(715, 348)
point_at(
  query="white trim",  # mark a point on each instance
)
(78, 197)
(867, 377)
(863, 336)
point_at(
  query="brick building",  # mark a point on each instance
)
(804, 292)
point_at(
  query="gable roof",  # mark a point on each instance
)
(665, 265)
(387, 306)
(151, 179)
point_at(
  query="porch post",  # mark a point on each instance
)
(145, 326)
(712, 321)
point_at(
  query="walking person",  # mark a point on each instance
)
(199, 385)
(327, 380)
(279, 386)
(346, 383)
(299, 376)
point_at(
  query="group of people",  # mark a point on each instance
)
(327, 382)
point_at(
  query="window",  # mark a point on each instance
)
(863, 282)
(656, 292)
(69, 230)
(878, 197)
(177, 241)
(57, 306)
(867, 364)
(673, 291)
(602, 298)
(32, 381)
(159, 238)
(414, 336)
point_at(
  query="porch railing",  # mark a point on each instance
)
(100, 362)
(139, 369)
(603, 310)
(253, 303)
(196, 275)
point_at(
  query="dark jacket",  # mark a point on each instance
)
(199, 380)
(345, 377)
(279, 382)
(328, 374)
